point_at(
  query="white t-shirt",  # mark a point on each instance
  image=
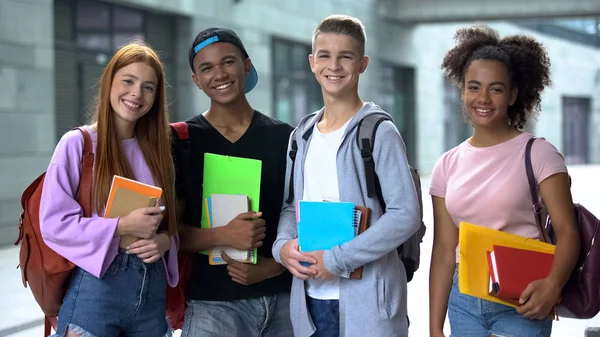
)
(321, 183)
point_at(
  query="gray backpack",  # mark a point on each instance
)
(410, 250)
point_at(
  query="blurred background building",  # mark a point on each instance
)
(52, 53)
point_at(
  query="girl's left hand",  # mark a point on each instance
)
(539, 298)
(150, 250)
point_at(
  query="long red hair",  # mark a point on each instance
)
(152, 131)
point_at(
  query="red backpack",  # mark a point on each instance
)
(176, 296)
(47, 272)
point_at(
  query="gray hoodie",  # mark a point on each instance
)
(376, 304)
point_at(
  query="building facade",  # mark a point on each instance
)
(53, 52)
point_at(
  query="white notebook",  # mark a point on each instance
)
(224, 208)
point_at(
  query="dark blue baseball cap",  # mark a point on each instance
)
(215, 34)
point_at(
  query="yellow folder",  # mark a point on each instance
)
(473, 270)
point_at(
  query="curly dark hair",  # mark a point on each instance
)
(526, 59)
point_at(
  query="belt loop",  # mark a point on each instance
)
(124, 261)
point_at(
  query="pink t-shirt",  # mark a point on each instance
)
(488, 186)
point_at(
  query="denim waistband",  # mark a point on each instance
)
(123, 260)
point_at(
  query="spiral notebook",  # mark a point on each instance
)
(324, 225)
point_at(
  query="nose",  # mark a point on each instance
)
(483, 97)
(220, 73)
(335, 64)
(136, 90)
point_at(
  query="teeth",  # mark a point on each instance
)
(483, 110)
(223, 86)
(131, 105)
(335, 78)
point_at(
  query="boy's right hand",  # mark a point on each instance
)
(291, 258)
(142, 222)
(246, 231)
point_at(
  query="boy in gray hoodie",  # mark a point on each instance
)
(328, 166)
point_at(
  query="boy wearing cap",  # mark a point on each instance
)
(236, 299)
(329, 166)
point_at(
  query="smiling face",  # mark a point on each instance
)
(337, 62)
(487, 93)
(220, 71)
(132, 92)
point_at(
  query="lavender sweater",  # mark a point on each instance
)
(90, 243)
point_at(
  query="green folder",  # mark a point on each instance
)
(231, 175)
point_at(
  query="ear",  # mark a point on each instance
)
(247, 65)
(514, 92)
(364, 63)
(311, 62)
(196, 80)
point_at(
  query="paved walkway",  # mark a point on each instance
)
(21, 317)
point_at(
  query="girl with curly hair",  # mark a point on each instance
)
(483, 181)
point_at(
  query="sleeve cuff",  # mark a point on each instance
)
(277, 249)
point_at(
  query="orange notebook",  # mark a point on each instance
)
(127, 195)
(363, 225)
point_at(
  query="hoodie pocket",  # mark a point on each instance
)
(382, 300)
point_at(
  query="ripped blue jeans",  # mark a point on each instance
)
(129, 300)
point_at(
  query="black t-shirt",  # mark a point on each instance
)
(266, 139)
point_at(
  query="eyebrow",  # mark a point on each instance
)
(137, 78)
(343, 52)
(493, 83)
(226, 57)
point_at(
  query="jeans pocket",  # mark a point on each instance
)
(114, 266)
(455, 277)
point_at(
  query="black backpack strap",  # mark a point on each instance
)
(292, 154)
(365, 138)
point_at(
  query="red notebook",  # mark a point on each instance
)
(512, 269)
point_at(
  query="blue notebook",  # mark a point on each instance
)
(324, 225)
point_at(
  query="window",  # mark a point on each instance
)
(584, 30)
(101, 27)
(296, 92)
(456, 129)
(397, 97)
(576, 113)
(86, 34)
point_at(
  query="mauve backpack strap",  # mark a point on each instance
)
(533, 188)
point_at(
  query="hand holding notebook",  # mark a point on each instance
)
(230, 175)
(140, 223)
(323, 225)
(513, 269)
(126, 196)
(222, 209)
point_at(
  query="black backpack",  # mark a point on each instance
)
(410, 250)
